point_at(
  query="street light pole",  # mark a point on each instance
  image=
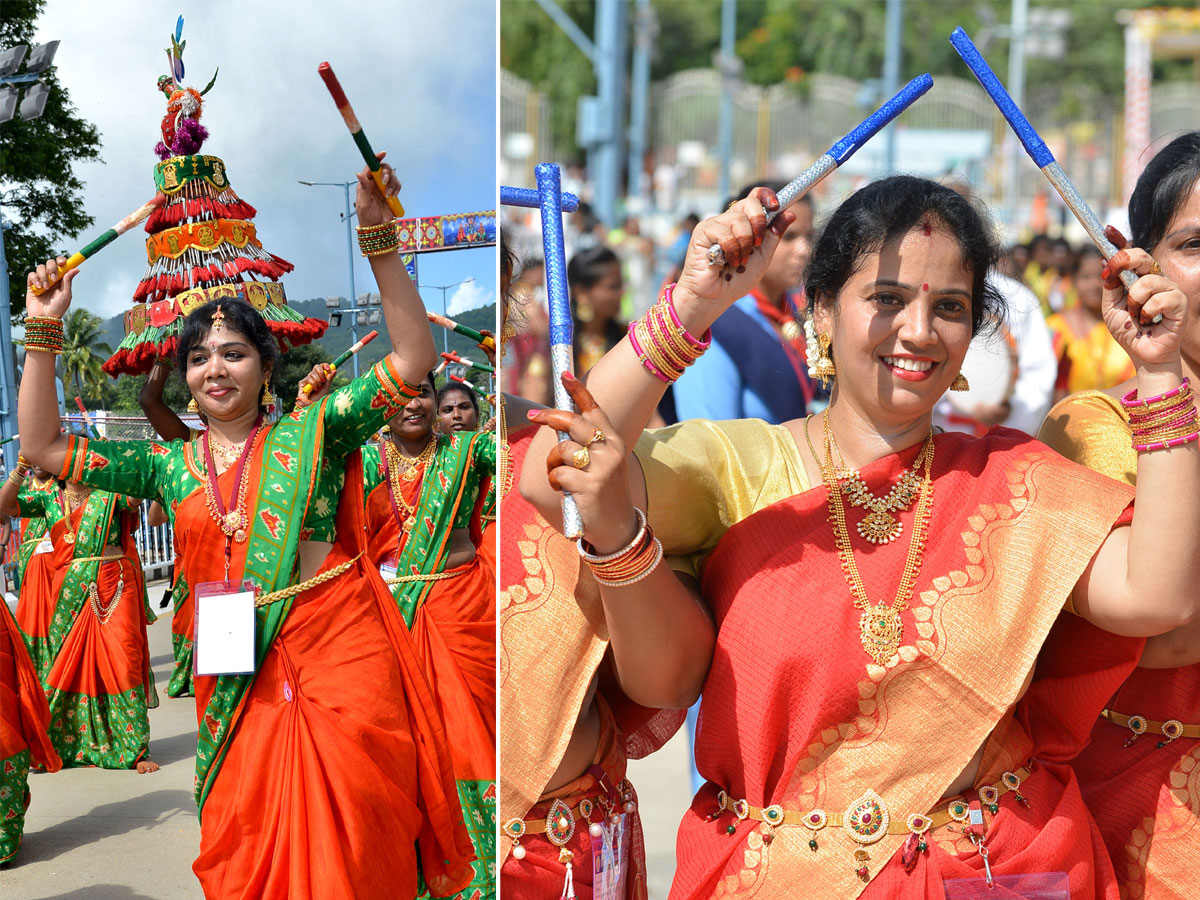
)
(443, 288)
(345, 186)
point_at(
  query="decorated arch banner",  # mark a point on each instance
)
(454, 232)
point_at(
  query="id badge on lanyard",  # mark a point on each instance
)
(224, 628)
(610, 860)
(388, 568)
(43, 546)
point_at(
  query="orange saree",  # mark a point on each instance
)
(552, 646)
(36, 567)
(1144, 792)
(24, 720)
(794, 713)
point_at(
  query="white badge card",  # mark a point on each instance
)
(610, 860)
(388, 568)
(224, 628)
(43, 546)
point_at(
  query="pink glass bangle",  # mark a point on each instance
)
(1164, 445)
(1131, 401)
(701, 343)
(645, 360)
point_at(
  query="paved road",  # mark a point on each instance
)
(94, 834)
(664, 792)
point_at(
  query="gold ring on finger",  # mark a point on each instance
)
(1155, 268)
(597, 435)
(732, 204)
(580, 458)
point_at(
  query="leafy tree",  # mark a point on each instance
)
(293, 366)
(83, 354)
(41, 196)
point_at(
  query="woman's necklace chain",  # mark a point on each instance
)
(413, 465)
(228, 453)
(70, 500)
(232, 522)
(879, 526)
(394, 460)
(881, 628)
(504, 474)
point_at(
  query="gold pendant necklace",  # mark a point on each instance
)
(504, 474)
(70, 500)
(413, 464)
(880, 627)
(880, 526)
(408, 513)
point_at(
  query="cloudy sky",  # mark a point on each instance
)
(420, 75)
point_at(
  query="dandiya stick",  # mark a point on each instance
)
(462, 380)
(138, 215)
(356, 132)
(841, 151)
(454, 357)
(9, 440)
(562, 353)
(1037, 150)
(87, 417)
(341, 360)
(528, 198)
(451, 325)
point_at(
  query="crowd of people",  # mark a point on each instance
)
(344, 560)
(930, 654)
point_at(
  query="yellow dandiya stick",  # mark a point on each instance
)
(341, 360)
(76, 259)
(356, 132)
(451, 325)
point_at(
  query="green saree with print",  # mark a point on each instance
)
(450, 612)
(328, 752)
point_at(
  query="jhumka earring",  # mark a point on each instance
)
(268, 400)
(960, 383)
(193, 406)
(825, 370)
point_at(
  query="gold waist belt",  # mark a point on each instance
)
(316, 581)
(99, 559)
(868, 819)
(1139, 725)
(433, 576)
(559, 824)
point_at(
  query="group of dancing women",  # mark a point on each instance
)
(357, 758)
(928, 664)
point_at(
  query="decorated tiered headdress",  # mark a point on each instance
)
(202, 244)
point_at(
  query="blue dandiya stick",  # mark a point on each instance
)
(841, 151)
(562, 353)
(528, 198)
(1037, 150)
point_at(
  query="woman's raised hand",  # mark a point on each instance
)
(321, 379)
(1128, 313)
(748, 243)
(595, 477)
(371, 206)
(56, 297)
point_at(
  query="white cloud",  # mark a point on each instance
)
(469, 296)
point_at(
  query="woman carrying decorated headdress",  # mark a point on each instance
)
(422, 490)
(322, 771)
(569, 816)
(871, 596)
(1140, 770)
(35, 501)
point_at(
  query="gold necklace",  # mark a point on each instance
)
(408, 512)
(228, 453)
(504, 475)
(879, 526)
(70, 500)
(881, 628)
(413, 464)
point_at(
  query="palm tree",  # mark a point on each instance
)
(83, 352)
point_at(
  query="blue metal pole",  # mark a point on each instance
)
(8, 381)
(893, 48)
(604, 161)
(350, 255)
(643, 38)
(725, 126)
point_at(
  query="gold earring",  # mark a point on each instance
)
(584, 311)
(825, 369)
(268, 399)
(960, 383)
(193, 406)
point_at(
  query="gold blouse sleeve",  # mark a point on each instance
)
(1090, 428)
(703, 477)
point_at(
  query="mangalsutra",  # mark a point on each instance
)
(879, 526)
(881, 628)
(232, 522)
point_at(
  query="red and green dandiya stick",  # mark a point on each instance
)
(138, 215)
(341, 360)
(9, 440)
(464, 381)
(455, 358)
(451, 325)
(356, 132)
(87, 417)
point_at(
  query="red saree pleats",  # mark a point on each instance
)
(35, 608)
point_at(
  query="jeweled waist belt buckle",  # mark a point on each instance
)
(1171, 729)
(559, 824)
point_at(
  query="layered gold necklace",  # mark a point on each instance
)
(879, 526)
(504, 474)
(881, 628)
(406, 512)
(413, 465)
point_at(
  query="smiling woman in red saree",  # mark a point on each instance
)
(871, 596)
(323, 773)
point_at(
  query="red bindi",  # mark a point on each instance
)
(926, 228)
(925, 286)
